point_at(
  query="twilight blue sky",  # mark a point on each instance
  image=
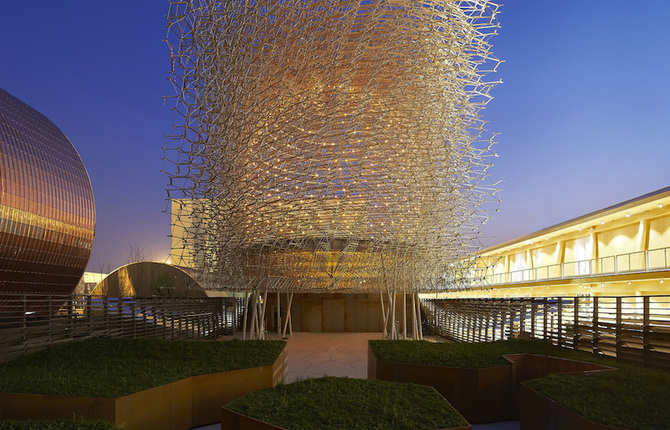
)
(583, 110)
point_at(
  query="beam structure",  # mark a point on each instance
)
(330, 146)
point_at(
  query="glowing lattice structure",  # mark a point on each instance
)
(329, 145)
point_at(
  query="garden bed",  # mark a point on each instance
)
(540, 412)
(477, 379)
(342, 404)
(629, 398)
(138, 383)
(56, 425)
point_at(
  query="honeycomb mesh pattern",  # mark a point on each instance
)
(329, 145)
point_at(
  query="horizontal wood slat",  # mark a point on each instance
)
(635, 328)
(31, 323)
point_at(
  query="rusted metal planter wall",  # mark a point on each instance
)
(231, 420)
(480, 395)
(180, 405)
(539, 412)
(210, 394)
(531, 366)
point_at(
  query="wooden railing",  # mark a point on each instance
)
(633, 328)
(30, 322)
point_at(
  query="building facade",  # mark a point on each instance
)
(623, 249)
(47, 211)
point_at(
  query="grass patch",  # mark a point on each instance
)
(474, 355)
(56, 425)
(349, 404)
(118, 367)
(631, 397)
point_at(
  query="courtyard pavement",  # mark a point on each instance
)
(313, 355)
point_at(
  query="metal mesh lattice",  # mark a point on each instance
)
(329, 145)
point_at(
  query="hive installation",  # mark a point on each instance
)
(330, 146)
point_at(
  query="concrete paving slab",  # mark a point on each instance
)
(314, 355)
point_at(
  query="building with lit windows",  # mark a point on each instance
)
(623, 249)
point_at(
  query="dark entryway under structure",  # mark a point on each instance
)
(341, 313)
(330, 313)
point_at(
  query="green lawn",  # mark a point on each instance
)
(472, 355)
(118, 367)
(56, 425)
(630, 397)
(349, 404)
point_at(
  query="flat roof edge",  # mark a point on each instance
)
(660, 193)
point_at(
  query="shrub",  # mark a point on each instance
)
(349, 404)
(118, 367)
(472, 355)
(56, 425)
(632, 398)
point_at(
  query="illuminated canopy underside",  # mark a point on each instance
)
(329, 145)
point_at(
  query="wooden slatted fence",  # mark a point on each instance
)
(30, 322)
(633, 328)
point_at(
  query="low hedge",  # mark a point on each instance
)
(118, 367)
(631, 397)
(349, 404)
(56, 425)
(473, 355)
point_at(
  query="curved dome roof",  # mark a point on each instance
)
(146, 279)
(47, 211)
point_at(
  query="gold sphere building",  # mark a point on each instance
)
(47, 212)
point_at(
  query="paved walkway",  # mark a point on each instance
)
(313, 355)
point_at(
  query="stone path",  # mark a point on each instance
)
(313, 355)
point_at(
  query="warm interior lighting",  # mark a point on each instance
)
(330, 146)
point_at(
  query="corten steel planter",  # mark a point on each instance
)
(231, 420)
(179, 405)
(539, 412)
(531, 366)
(481, 395)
